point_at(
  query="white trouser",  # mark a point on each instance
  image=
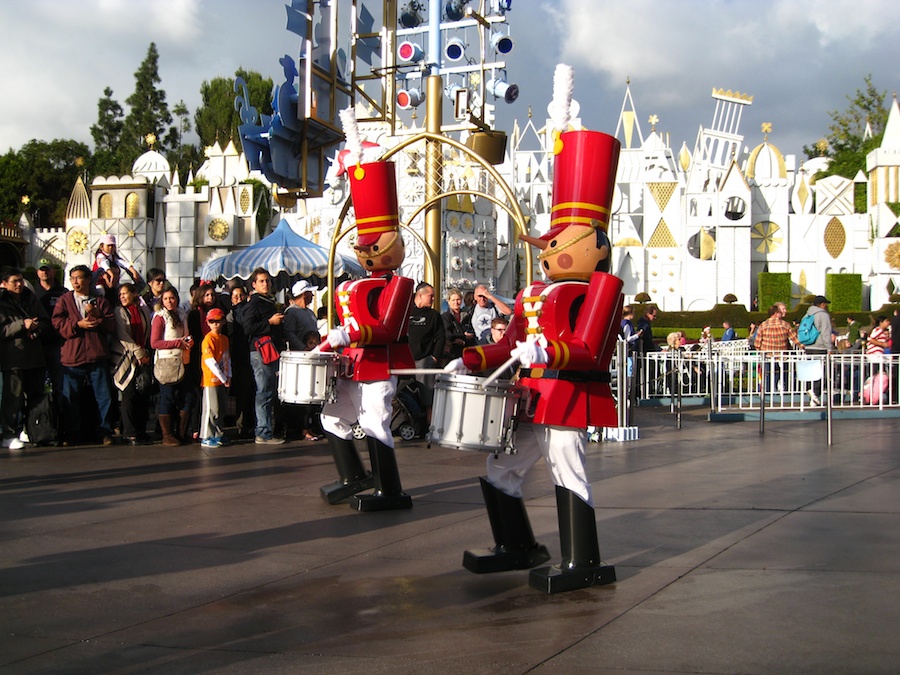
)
(369, 403)
(561, 447)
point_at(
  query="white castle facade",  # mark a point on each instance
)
(689, 227)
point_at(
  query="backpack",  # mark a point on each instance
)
(807, 333)
(40, 422)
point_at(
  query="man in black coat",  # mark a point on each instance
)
(426, 340)
(22, 318)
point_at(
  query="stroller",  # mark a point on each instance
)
(408, 420)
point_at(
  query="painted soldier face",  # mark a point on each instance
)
(384, 255)
(573, 254)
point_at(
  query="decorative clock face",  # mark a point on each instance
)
(218, 229)
(77, 241)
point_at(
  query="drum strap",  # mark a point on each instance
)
(570, 375)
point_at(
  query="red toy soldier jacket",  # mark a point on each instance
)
(579, 321)
(375, 313)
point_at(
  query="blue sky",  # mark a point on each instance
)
(799, 59)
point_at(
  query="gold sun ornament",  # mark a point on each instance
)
(150, 140)
(654, 120)
(77, 240)
(767, 236)
(892, 255)
(218, 229)
(26, 200)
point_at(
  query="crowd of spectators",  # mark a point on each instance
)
(119, 359)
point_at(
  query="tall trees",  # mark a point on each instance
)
(846, 144)
(52, 169)
(107, 135)
(149, 112)
(216, 118)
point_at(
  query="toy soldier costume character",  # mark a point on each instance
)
(373, 315)
(564, 333)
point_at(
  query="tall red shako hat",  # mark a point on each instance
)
(584, 178)
(373, 187)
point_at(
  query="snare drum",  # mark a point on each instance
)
(307, 377)
(466, 416)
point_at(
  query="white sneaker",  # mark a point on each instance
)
(24, 437)
(8, 441)
(14, 444)
(813, 398)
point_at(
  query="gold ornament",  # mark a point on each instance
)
(77, 241)
(218, 229)
(892, 255)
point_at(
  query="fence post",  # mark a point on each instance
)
(764, 372)
(829, 392)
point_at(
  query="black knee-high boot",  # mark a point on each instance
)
(516, 548)
(353, 477)
(581, 566)
(388, 493)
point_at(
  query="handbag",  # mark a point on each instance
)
(168, 370)
(266, 348)
(143, 380)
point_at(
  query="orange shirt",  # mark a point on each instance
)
(216, 347)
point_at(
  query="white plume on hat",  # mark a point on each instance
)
(354, 140)
(356, 150)
(563, 87)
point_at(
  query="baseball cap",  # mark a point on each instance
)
(819, 299)
(46, 268)
(301, 287)
(215, 314)
(108, 239)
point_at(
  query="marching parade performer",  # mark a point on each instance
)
(373, 315)
(563, 334)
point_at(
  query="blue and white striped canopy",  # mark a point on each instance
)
(286, 255)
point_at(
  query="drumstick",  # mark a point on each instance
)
(511, 361)
(417, 371)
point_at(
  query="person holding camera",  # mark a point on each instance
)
(22, 319)
(85, 322)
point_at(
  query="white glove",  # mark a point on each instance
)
(456, 367)
(338, 337)
(530, 353)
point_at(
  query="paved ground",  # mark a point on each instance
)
(735, 553)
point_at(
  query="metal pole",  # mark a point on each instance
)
(622, 382)
(828, 393)
(762, 395)
(433, 180)
(677, 380)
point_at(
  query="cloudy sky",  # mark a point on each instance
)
(799, 59)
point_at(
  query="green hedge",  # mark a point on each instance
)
(845, 292)
(773, 287)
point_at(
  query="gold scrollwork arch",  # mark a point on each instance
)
(432, 257)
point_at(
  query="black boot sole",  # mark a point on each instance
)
(340, 492)
(555, 580)
(488, 561)
(380, 502)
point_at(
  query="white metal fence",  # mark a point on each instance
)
(734, 378)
